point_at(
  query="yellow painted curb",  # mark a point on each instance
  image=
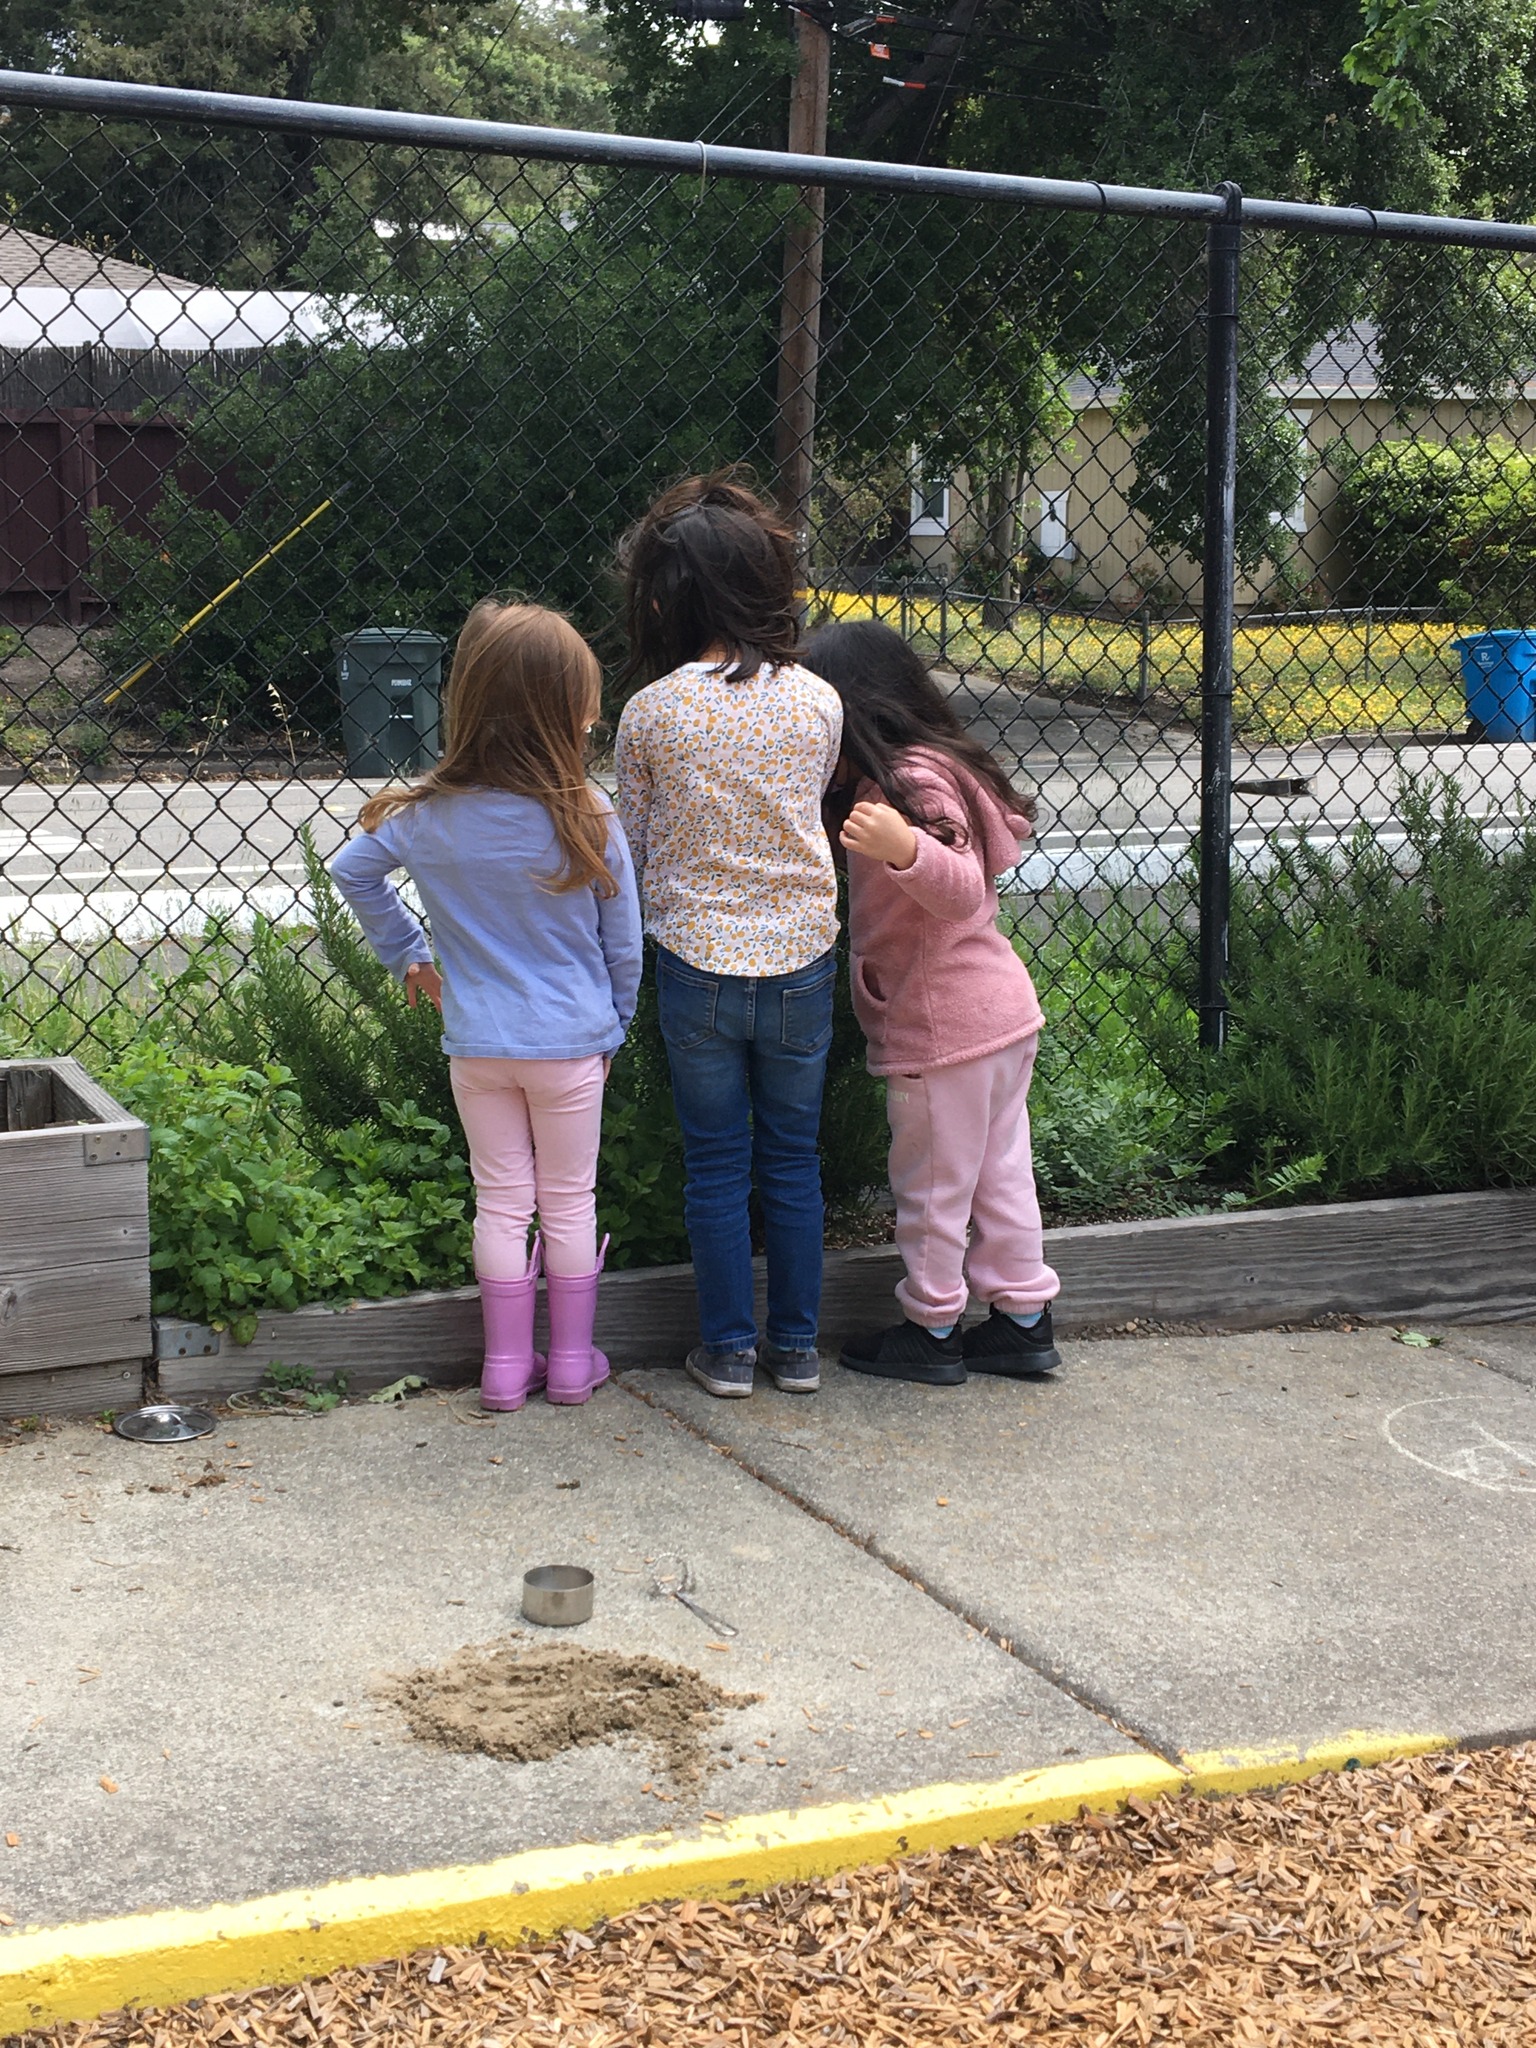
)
(65, 1973)
(160, 1958)
(1249, 1770)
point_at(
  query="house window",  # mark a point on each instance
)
(1055, 535)
(1295, 516)
(930, 508)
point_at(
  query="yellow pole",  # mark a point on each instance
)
(121, 689)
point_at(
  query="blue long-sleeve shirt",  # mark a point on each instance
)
(528, 973)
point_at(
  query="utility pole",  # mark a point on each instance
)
(800, 311)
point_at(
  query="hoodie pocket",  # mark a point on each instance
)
(867, 983)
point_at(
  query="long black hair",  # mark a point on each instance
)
(709, 564)
(892, 704)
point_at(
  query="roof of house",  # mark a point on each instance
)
(1345, 364)
(28, 259)
(1348, 361)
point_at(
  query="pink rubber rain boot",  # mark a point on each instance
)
(574, 1367)
(513, 1369)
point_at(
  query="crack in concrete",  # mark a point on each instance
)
(1100, 1708)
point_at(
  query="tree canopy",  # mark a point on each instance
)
(1405, 103)
(950, 332)
(244, 209)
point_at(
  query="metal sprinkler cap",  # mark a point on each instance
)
(166, 1422)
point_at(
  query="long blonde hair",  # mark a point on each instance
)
(523, 691)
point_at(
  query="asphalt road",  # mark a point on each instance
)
(1119, 803)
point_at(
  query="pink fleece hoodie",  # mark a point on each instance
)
(934, 980)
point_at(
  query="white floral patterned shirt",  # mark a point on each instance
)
(720, 788)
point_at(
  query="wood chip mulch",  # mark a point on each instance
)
(1391, 1906)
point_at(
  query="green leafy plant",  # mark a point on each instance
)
(1294, 1181)
(1384, 1012)
(289, 1386)
(1112, 1133)
(244, 1218)
(88, 741)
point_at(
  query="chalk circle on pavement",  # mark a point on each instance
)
(1484, 1440)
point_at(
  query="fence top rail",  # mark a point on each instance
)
(112, 98)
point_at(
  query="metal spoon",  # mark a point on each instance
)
(678, 1586)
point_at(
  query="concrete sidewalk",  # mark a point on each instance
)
(1182, 1544)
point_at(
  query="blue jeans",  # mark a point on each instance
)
(748, 1055)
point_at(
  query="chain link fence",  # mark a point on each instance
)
(284, 389)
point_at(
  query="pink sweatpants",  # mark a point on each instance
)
(960, 1155)
(533, 1128)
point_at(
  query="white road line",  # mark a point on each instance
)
(168, 871)
(13, 841)
(1063, 862)
(134, 916)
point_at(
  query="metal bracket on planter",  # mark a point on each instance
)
(111, 1147)
(185, 1340)
(1279, 785)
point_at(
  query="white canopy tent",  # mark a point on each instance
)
(188, 321)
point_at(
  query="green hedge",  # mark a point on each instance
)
(1448, 524)
(1384, 1013)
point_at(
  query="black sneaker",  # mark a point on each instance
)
(907, 1351)
(725, 1374)
(792, 1372)
(1002, 1346)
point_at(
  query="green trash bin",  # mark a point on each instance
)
(391, 682)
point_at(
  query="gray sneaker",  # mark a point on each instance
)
(725, 1374)
(792, 1372)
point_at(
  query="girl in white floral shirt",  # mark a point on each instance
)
(723, 760)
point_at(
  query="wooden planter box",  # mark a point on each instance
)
(1445, 1258)
(75, 1328)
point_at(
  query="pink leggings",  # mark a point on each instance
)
(533, 1128)
(960, 1155)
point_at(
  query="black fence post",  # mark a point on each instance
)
(1218, 579)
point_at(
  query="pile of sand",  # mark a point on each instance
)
(531, 1702)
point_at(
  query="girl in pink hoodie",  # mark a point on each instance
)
(928, 820)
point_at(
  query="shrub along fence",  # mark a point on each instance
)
(1187, 497)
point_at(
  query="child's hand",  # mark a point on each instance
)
(880, 833)
(421, 979)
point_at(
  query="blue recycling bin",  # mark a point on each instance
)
(1499, 675)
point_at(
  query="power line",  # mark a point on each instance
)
(949, 79)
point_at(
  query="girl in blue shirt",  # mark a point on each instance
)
(527, 882)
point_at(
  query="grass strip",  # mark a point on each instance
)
(1297, 681)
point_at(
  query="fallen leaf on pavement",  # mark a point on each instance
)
(397, 1390)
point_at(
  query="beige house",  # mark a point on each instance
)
(1075, 509)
